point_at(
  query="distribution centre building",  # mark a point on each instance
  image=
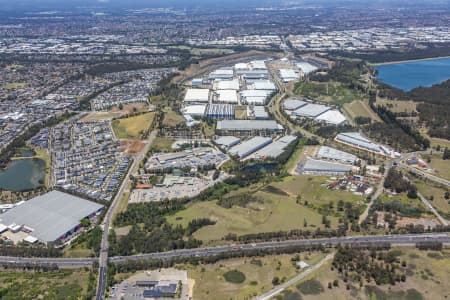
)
(248, 127)
(329, 153)
(50, 217)
(250, 146)
(197, 95)
(321, 167)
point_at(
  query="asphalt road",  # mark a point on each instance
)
(425, 175)
(401, 239)
(103, 259)
(405, 239)
(377, 193)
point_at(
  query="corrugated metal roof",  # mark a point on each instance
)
(50, 215)
(311, 110)
(334, 154)
(314, 165)
(250, 146)
(248, 125)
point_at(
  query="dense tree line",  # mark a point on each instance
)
(383, 267)
(432, 50)
(151, 232)
(28, 250)
(345, 71)
(396, 182)
(395, 132)
(134, 265)
(394, 207)
(433, 107)
(285, 235)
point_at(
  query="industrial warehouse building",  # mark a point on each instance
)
(355, 139)
(227, 85)
(257, 112)
(220, 111)
(262, 85)
(321, 167)
(329, 153)
(332, 117)
(276, 148)
(250, 146)
(226, 96)
(222, 73)
(288, 75)
(311, 110)
(255, 97)
(293, 104)
(197, 95)
(227, 142)
(306, 67)
(248, 127)
(197, 110)
(50, 217)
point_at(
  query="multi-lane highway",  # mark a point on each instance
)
(401, 239)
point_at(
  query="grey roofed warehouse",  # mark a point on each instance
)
(51, 216)
(248, 125)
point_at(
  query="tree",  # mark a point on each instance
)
(276, 280)
(85, 222)
(446, 154)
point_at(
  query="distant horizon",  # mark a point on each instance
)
(33, 5)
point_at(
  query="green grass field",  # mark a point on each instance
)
(171, 118)
(442, 167)
(61, 284)
(407, 202)
(313, 189)
(161, 144)
(259, 272)
(272, 212)
(131, 128)
(331, 92)
(437, 193)
(360, 108)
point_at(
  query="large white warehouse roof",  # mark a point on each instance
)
(196, 95)
(227, 96)
(333, 116)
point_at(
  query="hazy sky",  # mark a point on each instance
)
(10, 5)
